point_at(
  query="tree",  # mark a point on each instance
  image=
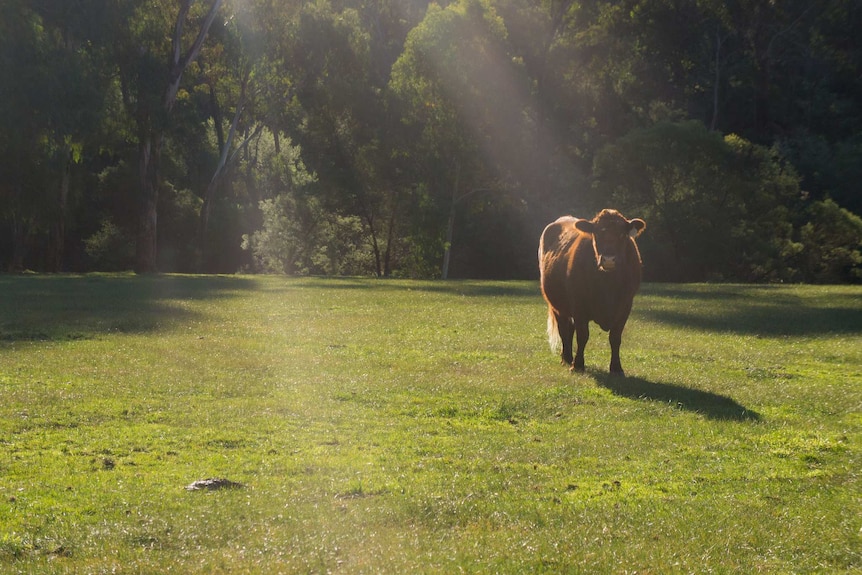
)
(459, 87)
(345, 123)
(717, 207)
(152, 64)
(831, 244)
(21, 48)
(241, 71)
(51, 100)
(433, 132)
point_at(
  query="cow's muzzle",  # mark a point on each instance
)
(607, 263)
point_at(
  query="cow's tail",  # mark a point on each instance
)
(554, 339)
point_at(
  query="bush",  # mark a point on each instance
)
(298, 237)
(342, 247)
(110, 249)
(831, 242)
(717, 207)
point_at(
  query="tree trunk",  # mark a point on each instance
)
(212, 186)
(20, 233)
(150, 144)
(225, 159)
(146, 248)
(368, 215)
(58, 226)
(390, 235)
(215, 111)
(714, 124)
(375, 246)
(203, 222)
(450, 226)
(761, 92)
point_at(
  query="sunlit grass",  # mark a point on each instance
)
(397, 426)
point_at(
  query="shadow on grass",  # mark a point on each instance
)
(469, 288)
(483, 288)
(767, 311)
(68, 307)
(711, 405)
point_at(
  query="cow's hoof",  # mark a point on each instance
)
(618, 373)
(578, 369)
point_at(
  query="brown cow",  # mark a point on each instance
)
(591, 270)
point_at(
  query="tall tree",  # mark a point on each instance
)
(345, 124)
(736, 226)
(248, 94)
(52, 96)
(155, 52)
(460, 86)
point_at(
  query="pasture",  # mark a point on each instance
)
(423, 427)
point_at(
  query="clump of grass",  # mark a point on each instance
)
(402, 426)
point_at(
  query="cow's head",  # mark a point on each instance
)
(611, 233)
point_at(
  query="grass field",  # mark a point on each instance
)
(423, 427)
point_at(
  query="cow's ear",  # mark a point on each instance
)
(585, 226)
(636, 226)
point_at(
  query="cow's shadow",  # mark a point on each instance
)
(708, 404)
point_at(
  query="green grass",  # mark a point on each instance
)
(399, 427)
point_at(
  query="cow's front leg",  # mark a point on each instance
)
(582, 330)
(615, 338)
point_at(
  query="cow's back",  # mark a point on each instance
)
(556, 248)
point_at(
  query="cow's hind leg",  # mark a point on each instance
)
(567, 332)
(582, 328)
(615, 338)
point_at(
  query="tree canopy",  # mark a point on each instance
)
(418, 138)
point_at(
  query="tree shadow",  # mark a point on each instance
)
(484, 288)
(467, 288)
(69, 307)
(708, 404)
(766, 311)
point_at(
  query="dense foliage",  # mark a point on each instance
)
(408, 137)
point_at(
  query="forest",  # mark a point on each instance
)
(416, 138)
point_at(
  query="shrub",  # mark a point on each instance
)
(718, 207)
(831, 244)
(110, 249)
(298, 237)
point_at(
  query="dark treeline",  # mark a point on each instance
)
(416, 138)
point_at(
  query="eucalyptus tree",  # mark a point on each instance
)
(541, 37)
(719, 207)
(240, 70)
(50, 100)
(20, 43)
(467, 96)
(344, 121)
(155, 42)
